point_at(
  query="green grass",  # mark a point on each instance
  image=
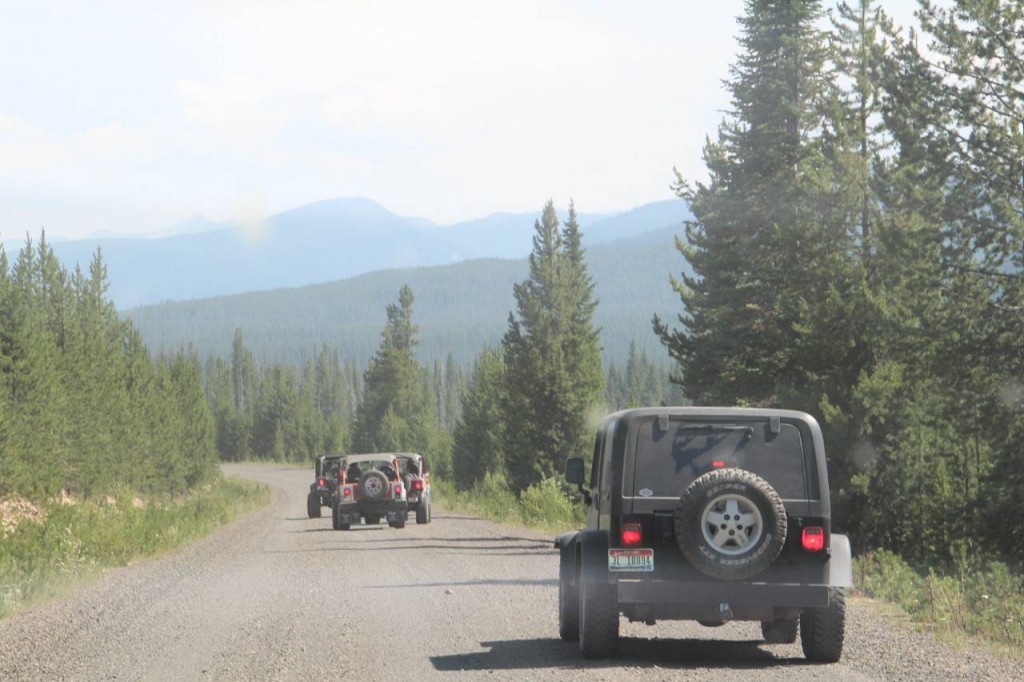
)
(78, 541)
(544, 505)
(983, 600)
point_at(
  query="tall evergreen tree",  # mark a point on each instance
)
(479, 437)
(771, 310)
(396, 402)
(552, 355)
(36, 457)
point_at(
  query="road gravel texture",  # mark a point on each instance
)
(278, 596)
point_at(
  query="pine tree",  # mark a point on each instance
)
(396, 402)
(6, 322)
(479, 434)
(771, 310)
(36, 457)
(239, 422)
(552, 356)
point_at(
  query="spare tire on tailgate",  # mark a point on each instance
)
(373, 484)
(730, 524)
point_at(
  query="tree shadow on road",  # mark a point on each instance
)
(488, 543)
(521, 654)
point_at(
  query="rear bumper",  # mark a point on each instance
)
(381, 507)
(714, 601)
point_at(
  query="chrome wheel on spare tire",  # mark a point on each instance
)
(373, 484)
(730, 524)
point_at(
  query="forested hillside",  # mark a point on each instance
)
(461, 308)
(84, 407)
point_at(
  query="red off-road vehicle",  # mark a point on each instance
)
(415, 474)
(321, 490)
(369, 487)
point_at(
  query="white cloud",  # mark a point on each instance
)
(26, 147)
(238, 114)
(117, 142)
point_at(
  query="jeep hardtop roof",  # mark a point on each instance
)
(655, 452)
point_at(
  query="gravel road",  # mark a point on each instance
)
(279, 596)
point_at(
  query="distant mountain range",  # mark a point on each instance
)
(321, 242)
(460, 308)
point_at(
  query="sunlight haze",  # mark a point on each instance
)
(131, 117)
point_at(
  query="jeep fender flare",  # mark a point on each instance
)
(593, 556)
(840, 563)
(567, 564)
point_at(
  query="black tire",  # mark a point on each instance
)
(372, 519)
(336, 523)
(373, 484)
(397, 524)
(779, 631)
(568, 602)
(822, 630)
(313, 505)
(423, 512)
(749, 528)
(599, 619)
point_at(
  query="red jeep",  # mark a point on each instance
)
(369, 487)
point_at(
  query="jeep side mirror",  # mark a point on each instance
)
(574, 473)
(574, 470)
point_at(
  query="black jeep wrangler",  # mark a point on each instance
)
(321, 490)
(706, 514)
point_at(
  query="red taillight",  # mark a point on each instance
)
(417, 484)
(398, 490)
(718, 464)
(632, 535)
(321, 481)
(813, 538)
(347, 492)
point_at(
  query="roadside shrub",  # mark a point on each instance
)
(984, 599)
(545, 503)
(75, 541)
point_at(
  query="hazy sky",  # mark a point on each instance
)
(130, 116)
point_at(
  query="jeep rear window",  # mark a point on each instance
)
(668, 461)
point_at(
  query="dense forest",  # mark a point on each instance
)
(84, 408)
(856, 252)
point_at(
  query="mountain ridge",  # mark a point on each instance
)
(460, 308)
(321, 241)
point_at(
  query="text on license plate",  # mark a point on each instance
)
(639, 559)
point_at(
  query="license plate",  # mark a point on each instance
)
(640, 559)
